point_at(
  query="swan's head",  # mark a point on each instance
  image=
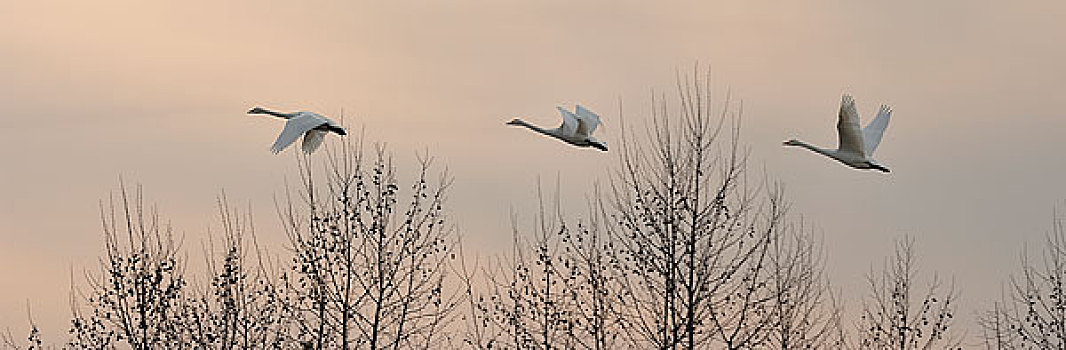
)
(515, 121)
(257, 110)
(792, 142)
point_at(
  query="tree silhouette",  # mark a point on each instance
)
(804, 313)
(241, 306)
(692, 233)
(898, 314)
(142, 298)
(368, 272)
(137, 298)
(556, 291)
(1032, 314)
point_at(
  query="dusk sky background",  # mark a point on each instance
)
(156, 92)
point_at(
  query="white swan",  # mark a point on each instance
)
(575, 130)
(857, 146)
(312, 126)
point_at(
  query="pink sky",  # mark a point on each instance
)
(157, 93)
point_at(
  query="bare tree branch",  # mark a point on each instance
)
(1032, 313)
(368, 272)
(898, 314)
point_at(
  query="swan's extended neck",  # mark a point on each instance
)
(260, 110)
(533, 127)
(816, 149)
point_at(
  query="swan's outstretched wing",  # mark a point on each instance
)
(295, 127)
(589, 121)
(312, 139)
(848, 127)
(570, 122)
(871, 134)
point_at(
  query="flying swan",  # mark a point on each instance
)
(312, 126)
(576, 128)
(857, 146)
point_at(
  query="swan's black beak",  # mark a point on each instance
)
(881, 168)
(600, 146)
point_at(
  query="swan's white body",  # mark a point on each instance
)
(312, 126)
(577, 128)
(857, 145)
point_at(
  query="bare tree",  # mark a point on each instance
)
(241, 307)
(136, 298)
(1033, 313)
(368, 272)
(691, 233)
(143, 298)
(803, 310)
(898, 314)
(363, 273)
(555, 291)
